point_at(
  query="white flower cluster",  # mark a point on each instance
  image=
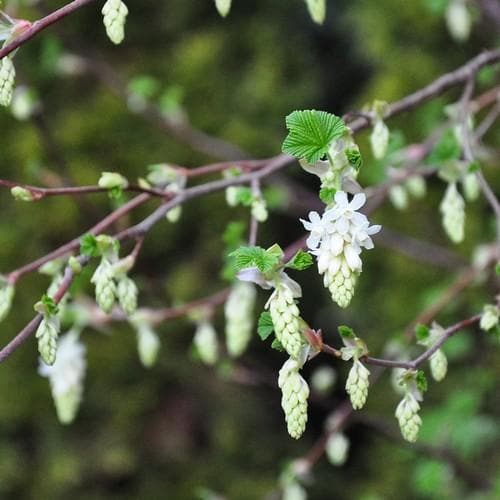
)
(408, 418)
(357, 384)
(114, 16)
(453, 211)
(205, 342)
(286, 318)
(239, 317)
(337, 448)
(7, 78)
(294, 399)
(66, 376)
(337, 239)
(490, 317)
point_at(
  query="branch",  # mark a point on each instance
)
(41, 24)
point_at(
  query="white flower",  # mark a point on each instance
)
(316, 226)
(66, 375)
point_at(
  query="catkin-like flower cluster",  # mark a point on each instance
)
(408, 418)
(357, 384)
(205, 342)
(337, 448)
(294, 399)
(337, 239)
(114, 16)
(286, 319)
(105, 286)
(490, 317)
(7, 78)
(453, 211)
(379, 139)
(66, 376)
(239, 317)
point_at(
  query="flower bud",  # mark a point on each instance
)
(127, 292)
(114, 16)
(490, 317)
(337, 448)
(357, 384)
(453, 210)
(439, 365)
(408, 418)
(205, 342)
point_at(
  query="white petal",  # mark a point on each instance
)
(374, 229)
(341, 199)
(359, 219)
(313, 241)
(334, 266)
(323, 261)
(336, 243)
(367, 243)
(352, 258)
(358, 201)
(342, 225)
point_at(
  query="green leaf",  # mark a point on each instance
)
(446, 149)
(421, 381)
(255, 257)
(497, 268)
(311, 133)
(354, 158)
(300, 261)
(88, 246)
(277, 345)
(346, 332)
(265, 325)
(421, 332)
(326, 195)
(233, 234)
(474, 167)
(46, 306)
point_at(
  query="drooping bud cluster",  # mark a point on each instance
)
(239, 310)
(337, 239)
(294, 399)
(7, 291)
(148, 343)
(127, 293)
(317, 10)
(357, 384)
(490, 317)
(453, 211)
(416, 186)
(66, 376)
(470, 186)
(259, 209)
(286, 318)
(439, 365)
(7, 78)
(408, 408)
(105, 286)
(114, 16)
(458, 20)
(408, 418)
(48, 330)
(223, 6)
(337, 448)
(205, 342)
(379, 139)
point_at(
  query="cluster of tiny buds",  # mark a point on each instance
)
(114, 16)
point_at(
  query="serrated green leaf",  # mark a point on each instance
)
(346, 332)
(300, 261)
(277, 345)
(265, 325)
(88, 246)
(310, 134)
(255, 257)
(326, 195)
(421, 332)
(354, 158)
(421, 381)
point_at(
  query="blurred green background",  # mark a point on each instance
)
(181, 430)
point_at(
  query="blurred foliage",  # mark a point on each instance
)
(181, 428)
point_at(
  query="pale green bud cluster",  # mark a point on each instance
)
(170, 179)
(408, 418)
(293, 490)
(317, 9)
(7, 78)
(127, 293)
(471, 186)
(379, 139)
(239, 310)
(47, 334)
(357, 384)
(337, 448)
(205, 342)
(66, 376)
(105, 286)
(286, 319)
(341, 284)
(7, 291)
(458, 20)
(489, 318)
(323, 379)
(398, 197)
(453, 211)
(259, 209)
(223, 7)
(148, 343)
(22, 194)
(439, 365)
(416, 186)
(295, 392)
(111, 180)
(114, 16)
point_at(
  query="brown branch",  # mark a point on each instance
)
(42, 24)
